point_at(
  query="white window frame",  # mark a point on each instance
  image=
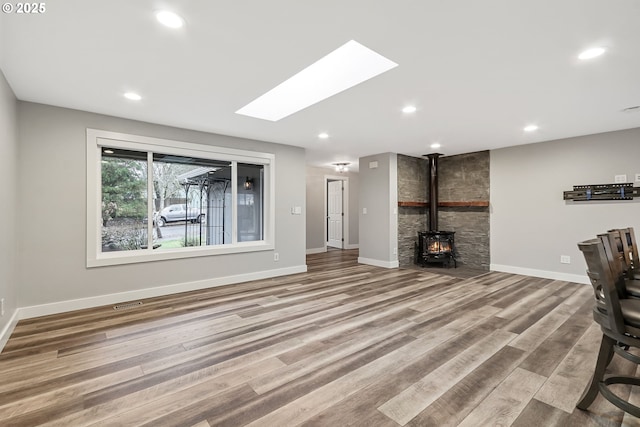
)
(96, 139)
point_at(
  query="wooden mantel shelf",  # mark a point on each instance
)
(470, 204)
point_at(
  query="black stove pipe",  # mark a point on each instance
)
(433, 191)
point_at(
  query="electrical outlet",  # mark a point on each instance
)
(638, 177)
(565, 259)
(276, 256)
(1, 306)
(620, 179)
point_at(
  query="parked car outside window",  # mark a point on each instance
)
(173, 213)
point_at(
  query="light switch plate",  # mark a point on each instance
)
(620, 179)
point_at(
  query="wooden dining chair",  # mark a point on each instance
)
(619, 320)
(614, 250)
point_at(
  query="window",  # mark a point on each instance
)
(151, 199)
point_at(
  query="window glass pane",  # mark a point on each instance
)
(250, 202)
(124, 200)
(192, 202)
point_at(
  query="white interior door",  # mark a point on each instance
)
(334, 214)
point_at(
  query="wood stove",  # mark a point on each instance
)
(436, 247)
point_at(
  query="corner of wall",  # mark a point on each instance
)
(9, 147)
(6, 332)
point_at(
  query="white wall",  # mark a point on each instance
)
(52, 206)
(316, 215)
(531, 224)
(354, 207)
(8, 188)
(378, 194)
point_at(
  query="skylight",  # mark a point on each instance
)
(345, 67)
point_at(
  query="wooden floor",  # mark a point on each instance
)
(344, 344)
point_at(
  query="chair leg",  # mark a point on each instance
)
(604, 357)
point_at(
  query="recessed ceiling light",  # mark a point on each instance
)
(345, 67)
(592, 53)
(409, 109)
(323, 135)
(169, 19)
(132, 96)
(435, 145)
(530, 128)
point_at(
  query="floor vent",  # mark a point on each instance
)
(127, 305)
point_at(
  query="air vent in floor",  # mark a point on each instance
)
(127, 305)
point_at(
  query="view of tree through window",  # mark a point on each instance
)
(124, 200)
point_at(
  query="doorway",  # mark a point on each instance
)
(336, 209)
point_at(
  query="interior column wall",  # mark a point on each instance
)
(9, 212)
(378, 210)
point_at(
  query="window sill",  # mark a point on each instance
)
(146, 255)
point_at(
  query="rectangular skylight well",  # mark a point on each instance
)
(345, 67)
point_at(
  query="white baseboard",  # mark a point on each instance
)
(324, 249)
(378, 263)
(316, 250)
(576, 278)
(97, 301)
(8, 330)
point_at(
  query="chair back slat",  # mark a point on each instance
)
(629, 241)
(622, 246)
(603, 281)
(611, 242)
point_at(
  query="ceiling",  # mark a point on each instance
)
(477, 71)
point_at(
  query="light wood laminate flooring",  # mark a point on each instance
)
(343, 344)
